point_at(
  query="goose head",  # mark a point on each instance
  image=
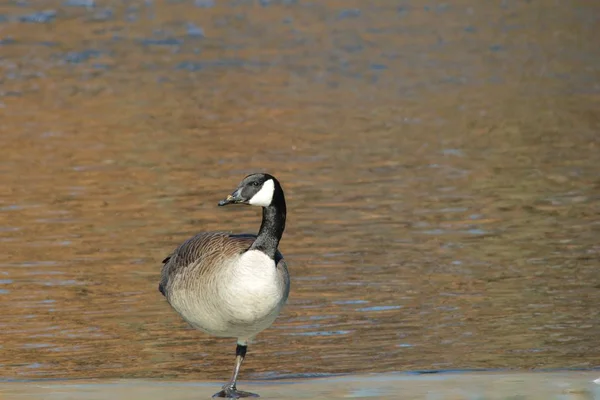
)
(255, 190)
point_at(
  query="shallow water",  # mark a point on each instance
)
(440, 162)
(489, 386)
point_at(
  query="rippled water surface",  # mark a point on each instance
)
(441, 162)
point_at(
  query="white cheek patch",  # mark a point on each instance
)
(265, 195)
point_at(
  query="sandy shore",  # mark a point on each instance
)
(493, 385)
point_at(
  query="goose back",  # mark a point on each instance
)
(203, 255)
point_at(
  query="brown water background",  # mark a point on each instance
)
(441, 163)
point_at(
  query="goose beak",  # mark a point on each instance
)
(232, 199)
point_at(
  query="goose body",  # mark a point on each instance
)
(233, 285)
(219, 286)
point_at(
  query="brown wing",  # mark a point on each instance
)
(283, 273)
(201, 253)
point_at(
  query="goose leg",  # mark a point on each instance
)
(229, 390)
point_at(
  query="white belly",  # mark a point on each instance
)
(239, 300)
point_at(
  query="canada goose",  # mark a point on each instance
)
(233, 285)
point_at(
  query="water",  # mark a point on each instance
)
(473, 385)
(440, 163)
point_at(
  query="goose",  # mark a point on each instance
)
(229, 285)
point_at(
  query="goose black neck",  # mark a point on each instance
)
(272, 226)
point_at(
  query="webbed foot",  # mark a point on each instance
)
(229, 392)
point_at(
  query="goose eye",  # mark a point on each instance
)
(254, 183)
